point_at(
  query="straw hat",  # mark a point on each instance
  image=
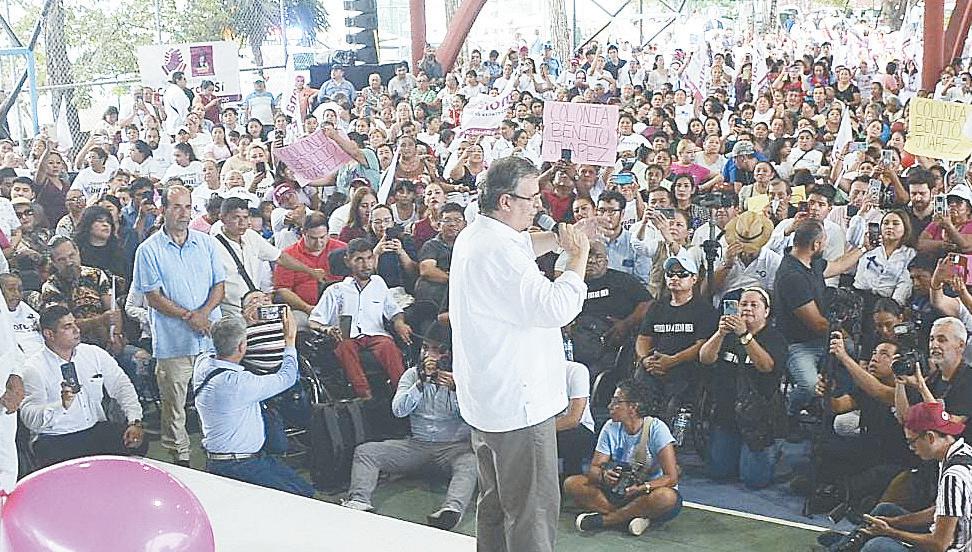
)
(751, 229)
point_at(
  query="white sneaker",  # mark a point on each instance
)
(638, 526)
(358, 505)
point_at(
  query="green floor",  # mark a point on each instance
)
(692, 530)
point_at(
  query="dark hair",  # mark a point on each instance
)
(888, 305)
(920, 175)
(358, 245)
(451, 207)
(186, 149)
(232, 204)
(214, 204)
(315, 219)
(177, 76)
(636, 393)
(90, 215)
(613, 195)
(807, 232)
(501, 179)
(141, 146)
(50, 316)
(112, 199)
(139, 183)
(825, 191)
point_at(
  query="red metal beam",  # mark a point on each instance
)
(416, 15)
(456, 34)
(934, 33)
(958, 29)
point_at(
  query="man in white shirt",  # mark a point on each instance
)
(509, 363)
(11, 363)
(23, 319)
(819, 203)
(353, 311)
(249, 251)
(64, 385)
(177, 103)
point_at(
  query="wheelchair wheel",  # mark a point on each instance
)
(702, 421)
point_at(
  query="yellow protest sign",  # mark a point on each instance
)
(798, 194)
(757, 203)
(937, 129)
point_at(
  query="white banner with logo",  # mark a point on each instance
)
(213, 61)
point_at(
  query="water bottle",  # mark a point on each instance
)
(568, 348)
(680, 424)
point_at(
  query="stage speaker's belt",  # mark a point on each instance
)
(231, 455)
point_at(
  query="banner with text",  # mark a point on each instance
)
(939, 129)
(313, 157)
(589, 131)
(484, 113)
(213, 61)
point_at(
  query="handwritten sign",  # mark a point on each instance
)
(313, 157)
(939, 129)
(589, 131)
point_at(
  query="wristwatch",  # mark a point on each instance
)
(746, 338)
(135, 423)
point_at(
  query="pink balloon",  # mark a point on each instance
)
(103, 503)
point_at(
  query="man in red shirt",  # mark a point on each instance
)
(299, 290)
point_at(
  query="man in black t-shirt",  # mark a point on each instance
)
(436, 256)
(667, 349)
(801, 311)
(616, 303)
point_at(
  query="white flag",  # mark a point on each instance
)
(844, 135)
(62, 132)
(388, 179)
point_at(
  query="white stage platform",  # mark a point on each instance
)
(248, 518)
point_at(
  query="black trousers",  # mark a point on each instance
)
(575, 445)
(101, 438)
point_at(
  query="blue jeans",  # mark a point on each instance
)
(671, 514)
(265, 471)
(801, 365)
(139, 366)
(729, 458)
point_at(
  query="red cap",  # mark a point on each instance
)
(281, 190)
(931, 416)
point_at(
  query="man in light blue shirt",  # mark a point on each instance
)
(337, 84)
(181, 276)
(228, 400)
(427, 395)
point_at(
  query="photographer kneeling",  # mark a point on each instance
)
(633, 476)
(440, 437)
(747, 356)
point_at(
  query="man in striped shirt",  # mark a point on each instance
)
(933, 435)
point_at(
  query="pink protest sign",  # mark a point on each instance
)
(313, 157)
(589, 131)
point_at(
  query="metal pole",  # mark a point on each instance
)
(283, 29)
(641, 22)
(934, 33)
(158, 20)
(573, 45)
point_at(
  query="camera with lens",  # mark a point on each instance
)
(712, 200)
(909, 355)
(630, 474)
(442, 364)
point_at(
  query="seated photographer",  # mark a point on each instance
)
(747, 356)
(633, 478)
(228, 401)
(667, 348)
(362, 302)
(616, 303)
(575, 425)
(936, 437)
(64, 386)
(427, 395)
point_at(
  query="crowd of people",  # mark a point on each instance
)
(750, 203)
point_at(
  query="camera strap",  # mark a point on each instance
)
(641, 453)
(239, 264)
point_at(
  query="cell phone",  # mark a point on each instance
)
(960, 266)
(874, 188)
(271, 313)
(874, 233)
(961, 169)
(261, 167)
(565, 155)
(730, 307)
(623, 179)
(857, 146)
(941, 205)
(803, 207)
(668, 212)
(393, 233)
(887, 158)
(69, 375)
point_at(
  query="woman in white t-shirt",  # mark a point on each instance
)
(141, 162)
(93, 180)
(186, 167)
(219, 149)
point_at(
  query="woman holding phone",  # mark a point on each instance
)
(883, 269)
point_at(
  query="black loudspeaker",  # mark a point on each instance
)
(357, 74)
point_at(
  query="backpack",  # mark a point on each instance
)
(335, 429)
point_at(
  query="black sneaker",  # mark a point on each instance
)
(589, 521)
(444, 518)
(183, 463)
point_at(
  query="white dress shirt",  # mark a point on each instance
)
(11, 362)
(252, 253)
(835, 247)
(368, 306)
(42, 411)
(886, 276)
(761, 272)
(509, 362)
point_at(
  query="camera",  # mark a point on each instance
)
(630, 475)
(909, 355)
(712, 200)
(270, 313)
(393, 233)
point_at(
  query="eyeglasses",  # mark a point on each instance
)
(25, 212)
(385, 221)
(605, 210)
(678, 274)
(615, 402)
(911, 442)
(454, 222)
(534, 197)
